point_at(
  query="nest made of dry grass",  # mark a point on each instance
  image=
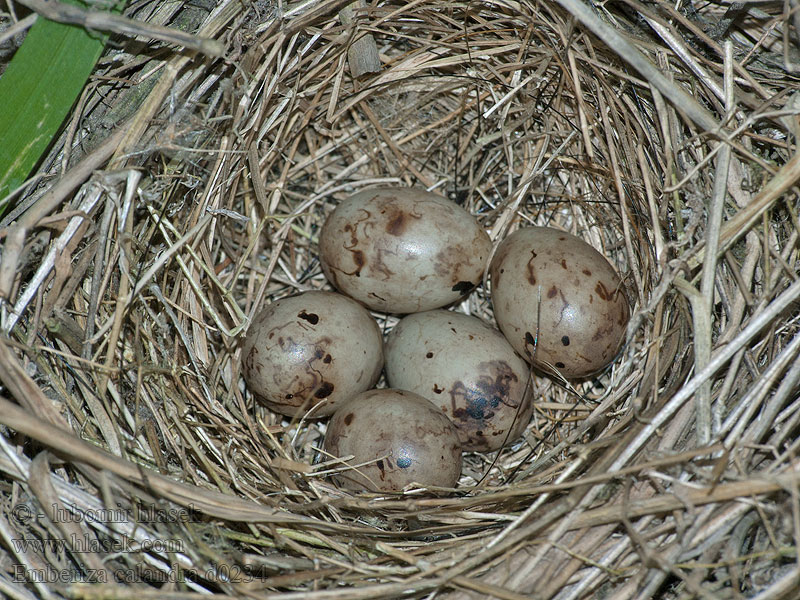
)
(187, 191)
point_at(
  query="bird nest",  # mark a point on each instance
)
(187, 191)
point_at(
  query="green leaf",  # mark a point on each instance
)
(37, 91)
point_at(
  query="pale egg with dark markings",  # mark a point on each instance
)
(313, 348)
(402, 250)
(558, 301)
(396, 438)
(468, 369)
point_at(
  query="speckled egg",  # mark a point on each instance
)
(396, 438)
(558, 301)
(402, 250)
(314, 348)
(468, 369)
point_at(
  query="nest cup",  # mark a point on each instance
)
(512, 111)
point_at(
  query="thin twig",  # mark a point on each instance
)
(103, 21)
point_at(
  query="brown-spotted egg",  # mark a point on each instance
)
(468, 369)
(313, 348)
(558, 301)
(402, 250)
(395, 438)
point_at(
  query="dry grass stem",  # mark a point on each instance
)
(73, 15)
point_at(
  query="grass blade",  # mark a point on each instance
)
(37, 90)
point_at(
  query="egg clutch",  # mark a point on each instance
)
(455, 382)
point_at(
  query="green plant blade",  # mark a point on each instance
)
(37, 91)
